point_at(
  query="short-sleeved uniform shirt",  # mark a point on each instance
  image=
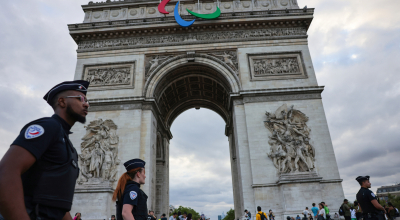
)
(131, 193)
(44, 139)
(364, 198)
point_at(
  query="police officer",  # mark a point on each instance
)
(39, 171)
(371, 209)
(131, 200)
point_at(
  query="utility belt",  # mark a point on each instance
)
(34, 213)
(378, 215)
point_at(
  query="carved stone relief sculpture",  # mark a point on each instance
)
(154, 62)
(99, 152)
(110, 76)
(228, 57)
(291, 150)
(276, 66)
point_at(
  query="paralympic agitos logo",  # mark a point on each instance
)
(178, 18)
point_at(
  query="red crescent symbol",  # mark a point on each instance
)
(161, 7)
(34, 133)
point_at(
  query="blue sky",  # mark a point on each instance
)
(355, 49)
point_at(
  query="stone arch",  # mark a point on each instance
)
(157, 74)
(216, 81)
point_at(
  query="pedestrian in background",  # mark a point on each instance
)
(248, 214)
(78, 216)
(391, 212)
(189, 216)
(271, 215)
(306, 212)
(353, 213)
(180, 215)
(260, 215)
(346, 209)
(358, 210)
(314, 210)
(173, 216)
(328, 216)
(112, 217)
(321, 212)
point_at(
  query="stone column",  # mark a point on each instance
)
(236, 184)
(148, 137)
(244, 161)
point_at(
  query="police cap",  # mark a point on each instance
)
(78, 85)
(134, 163)
(362, 178)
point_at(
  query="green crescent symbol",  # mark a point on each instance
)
(216, 14)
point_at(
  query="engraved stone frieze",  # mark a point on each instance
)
(110, 76)
(291, 150)
(200, 37)
(99, 153)
(276, 66)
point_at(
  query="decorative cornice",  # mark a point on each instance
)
(268, 16)
(309, 180)
(280, 94)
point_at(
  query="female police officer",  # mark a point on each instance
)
(131, 200)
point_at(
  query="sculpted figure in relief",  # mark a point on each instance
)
(273, 66)
(291, 150)
(109, 76)
(155, 62)
(99, 152)
(229, 57)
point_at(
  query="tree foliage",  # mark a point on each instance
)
(195, 215)
(395, 200)
(230, 215)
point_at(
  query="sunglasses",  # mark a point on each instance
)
(81, 97)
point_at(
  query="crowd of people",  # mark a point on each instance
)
(152, 216)
(317, 213)
(321, 212)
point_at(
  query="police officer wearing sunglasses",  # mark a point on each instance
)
(39, 171)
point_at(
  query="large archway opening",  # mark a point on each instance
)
(199, 163)
(178, 88)
(192, 86)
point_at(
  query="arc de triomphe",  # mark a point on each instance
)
(251, 65)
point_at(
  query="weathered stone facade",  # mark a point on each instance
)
(251, 65)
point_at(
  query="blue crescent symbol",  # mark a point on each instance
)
(179, 20)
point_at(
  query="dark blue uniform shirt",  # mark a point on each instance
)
(46, 143)
(131, 193)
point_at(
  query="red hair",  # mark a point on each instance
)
(127, 176)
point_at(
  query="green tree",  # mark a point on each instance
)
(382, 202)
(395, 200)
(195, 215)
(230, 215)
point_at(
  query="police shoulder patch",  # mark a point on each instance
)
(133, 195)
(372, 194)
(34, 131)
